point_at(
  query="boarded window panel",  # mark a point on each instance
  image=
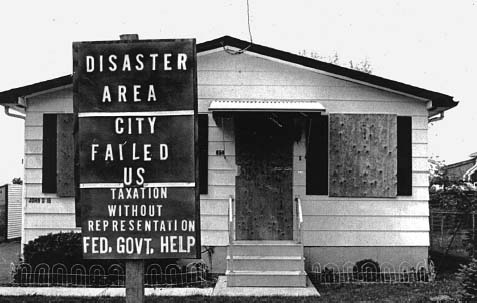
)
(203, 152)
(317, 155)
(404, 156)
(65, 156)
(49, 154)
(363, 155)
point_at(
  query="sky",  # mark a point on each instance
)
(429, 44)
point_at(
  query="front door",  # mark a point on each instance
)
(264, 156)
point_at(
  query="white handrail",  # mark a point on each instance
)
(231, 215)
(299, 214)
(231, 233)
(231, 220)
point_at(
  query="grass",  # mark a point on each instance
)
(446, 285)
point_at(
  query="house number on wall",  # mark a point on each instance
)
(39, 200)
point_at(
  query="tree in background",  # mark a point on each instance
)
(362, 66)
(17, 181)
(448, 195)
(437, 175)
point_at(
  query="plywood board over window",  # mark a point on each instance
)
(363, 155)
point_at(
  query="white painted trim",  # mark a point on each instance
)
(101, 185)
(22, 102)
(211, 51)
(266, 105)
(137, 114)
(121, 185)
(170, 184)
(218, 49)
(336, 76)
(321, 72)
(54, 89)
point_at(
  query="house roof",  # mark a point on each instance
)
(459, 164)
(440, 102)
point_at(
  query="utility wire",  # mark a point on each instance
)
(239, 52)
(248, 22)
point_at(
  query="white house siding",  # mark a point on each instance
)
(373, 225)
(401, 221)
(329, 222)
(59, 215)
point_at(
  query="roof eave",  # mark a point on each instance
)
(440, 102)
(11, 96)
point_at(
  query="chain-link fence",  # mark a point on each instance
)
(453, 233)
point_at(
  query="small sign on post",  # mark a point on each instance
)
(136, 159)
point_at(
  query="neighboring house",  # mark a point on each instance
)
(10, 212)
(275, 129)
(463, 170)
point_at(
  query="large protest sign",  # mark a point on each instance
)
(135, 148)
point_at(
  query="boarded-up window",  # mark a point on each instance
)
(317, 155)
(404, 156)
(363, 155)
(58, 155)
(203, 152)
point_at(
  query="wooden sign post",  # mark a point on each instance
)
(134, 281)
(136, 160)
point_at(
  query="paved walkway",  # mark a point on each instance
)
(221, 289)
(9, 253)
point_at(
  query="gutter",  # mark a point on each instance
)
(436, 118)
(11, 114)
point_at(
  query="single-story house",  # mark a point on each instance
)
(300, 161)
(462, 170)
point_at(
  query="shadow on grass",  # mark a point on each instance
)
(447, 264)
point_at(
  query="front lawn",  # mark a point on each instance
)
(445, 285)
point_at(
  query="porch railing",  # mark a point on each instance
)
(299, 221)
(231, 232)
(231, 220)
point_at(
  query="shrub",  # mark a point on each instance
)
(54, 248)
(366, 270)
(468, 280)
(66, 249)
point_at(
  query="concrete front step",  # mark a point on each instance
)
(266, 279)
(265, 263)
(265, 248)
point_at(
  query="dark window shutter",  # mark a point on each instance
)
(404, 156)
(203, 152)
(58, 155)
(65, 181)
(49, 154)
(317, 155)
